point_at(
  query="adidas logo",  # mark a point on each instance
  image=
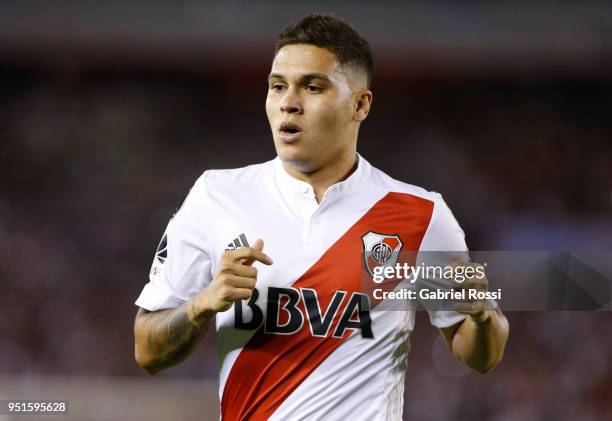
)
(238, 242)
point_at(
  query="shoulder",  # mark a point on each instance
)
(441, 219)
(220, 178)
(392, 185)
(212, 183)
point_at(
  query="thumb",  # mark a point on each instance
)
(258, 244)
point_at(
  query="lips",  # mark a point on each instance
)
(289, 131)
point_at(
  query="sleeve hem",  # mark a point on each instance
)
(153, 298)
(442, 319)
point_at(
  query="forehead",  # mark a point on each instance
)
(297, 59)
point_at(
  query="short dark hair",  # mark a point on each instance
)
(333, 33)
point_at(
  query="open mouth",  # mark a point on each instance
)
(290, 128)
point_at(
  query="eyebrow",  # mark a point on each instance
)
(304, 78)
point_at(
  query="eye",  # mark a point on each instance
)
(313, 88)
(277, 87)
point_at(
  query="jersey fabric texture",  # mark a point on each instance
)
(306, 346)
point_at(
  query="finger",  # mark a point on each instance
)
(241, 270)
(248, 254)
(473, 283)
(472, 274)
(258, 245)
(460, 261)
(240, 281)
(457, 261)
(476, 314)
(242, 293)
(477, 307)
(469, 307)
(231, 294)
(479, 274)
(463, 306)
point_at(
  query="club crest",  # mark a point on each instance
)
(380, 250)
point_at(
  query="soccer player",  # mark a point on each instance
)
(298, 338)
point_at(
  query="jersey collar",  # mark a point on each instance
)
(354, 182)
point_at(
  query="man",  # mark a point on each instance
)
(298, 336)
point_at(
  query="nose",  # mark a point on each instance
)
(291, 102)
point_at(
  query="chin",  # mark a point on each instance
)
(295, 157)
(289, 153)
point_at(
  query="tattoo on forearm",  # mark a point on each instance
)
(199, 319)
(171, 335)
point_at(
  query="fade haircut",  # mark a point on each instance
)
(334, 34)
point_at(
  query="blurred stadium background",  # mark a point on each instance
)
(109, 111)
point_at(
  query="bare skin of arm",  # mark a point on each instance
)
(167, 337)
(479, 341)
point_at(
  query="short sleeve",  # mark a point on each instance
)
(182, 266)
(443, 240)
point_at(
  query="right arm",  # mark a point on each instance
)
(165, 338)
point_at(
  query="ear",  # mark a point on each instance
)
(363, 102)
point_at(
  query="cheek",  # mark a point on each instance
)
(335, 115)
(269, 107)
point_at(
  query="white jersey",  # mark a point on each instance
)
(307, 345)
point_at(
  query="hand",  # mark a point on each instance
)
(235, 278)
(476, 280)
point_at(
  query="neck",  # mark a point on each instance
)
(328, 174)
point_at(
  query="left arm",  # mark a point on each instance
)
(478, 341)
